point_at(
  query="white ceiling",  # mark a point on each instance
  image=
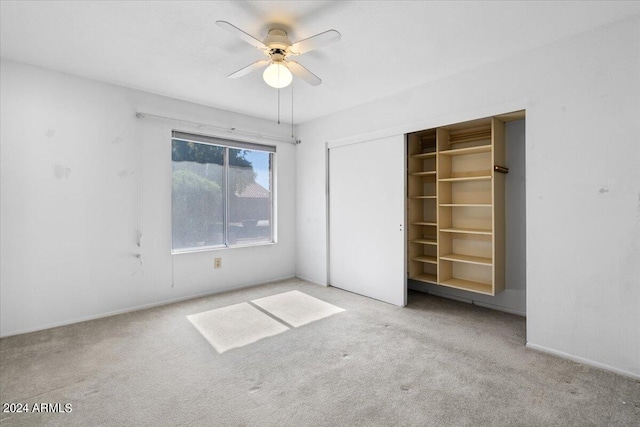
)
(174, 48)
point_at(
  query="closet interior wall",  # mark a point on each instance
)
(456, 205)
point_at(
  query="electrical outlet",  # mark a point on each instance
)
(217, 263)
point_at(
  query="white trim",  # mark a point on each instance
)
(312, 281)
(274, 197)
(216, 141)
(364, 137)
(583, 361)
(429, 123)
(222, 132)
(327, 195)
(219, 247)
(140, 307)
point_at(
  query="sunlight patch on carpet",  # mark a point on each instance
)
(235, 326)
(296, 308)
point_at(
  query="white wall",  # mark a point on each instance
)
(582, 97)
(81, 175)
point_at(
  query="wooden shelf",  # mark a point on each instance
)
(465, 151)
(467, 231)
(426, 258)
(423, 155)
(454, 166)
(468, 285)
(467, 259)
(472, 205)
(466, 178)
(424, 277)
(425, 241)
(479, 134)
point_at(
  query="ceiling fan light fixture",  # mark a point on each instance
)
(277, 75)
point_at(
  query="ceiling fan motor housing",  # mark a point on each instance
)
(277, 39)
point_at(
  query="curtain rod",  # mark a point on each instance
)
(232, 130)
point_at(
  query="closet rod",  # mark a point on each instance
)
(232, 130)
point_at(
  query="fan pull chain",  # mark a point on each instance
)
(278, 95)
(292, 110)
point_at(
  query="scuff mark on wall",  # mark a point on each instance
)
(117, 140)
(125, 173)
(61, 171)
(139, 270)
(50, 133)
(603, 190)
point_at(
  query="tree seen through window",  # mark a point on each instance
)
(219, 197)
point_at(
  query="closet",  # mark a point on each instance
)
(456, 205)
(428, 207)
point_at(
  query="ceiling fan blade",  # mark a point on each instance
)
(306, 75)
(239, 33)
(249, 68)
(315, 42)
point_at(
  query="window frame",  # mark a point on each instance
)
(227, 144)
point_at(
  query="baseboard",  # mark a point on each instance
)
(583, 361)
(140, 307)
(311, 281)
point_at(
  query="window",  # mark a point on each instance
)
(222, 193)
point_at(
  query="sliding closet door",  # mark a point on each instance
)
(366, 219)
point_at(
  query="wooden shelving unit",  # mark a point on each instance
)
(425, 155)
(466, 178)
(422, 207)
(465, 151)
(432, 241)
(467, 258)
(467, 231)
(465, 205)
(469, 253)
(426, 258)
(427, 278)
(455, 205)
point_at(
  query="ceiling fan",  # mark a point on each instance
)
(279, 48)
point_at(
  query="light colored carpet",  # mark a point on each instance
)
(297, 308)
(235, 326)
(435, 362)
(241, 324)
